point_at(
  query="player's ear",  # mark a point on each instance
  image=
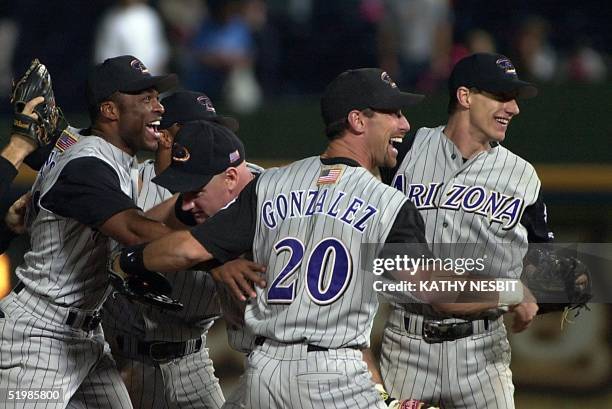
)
(231, 178)
(463, 97)
(109, 110)
(355, 121)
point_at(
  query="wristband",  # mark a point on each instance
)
(509, 296)
(131, 260)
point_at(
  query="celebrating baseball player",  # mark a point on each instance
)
(307, 222)
(160, 352)
(469, 190)
(85, 194)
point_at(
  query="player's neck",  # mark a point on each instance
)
(459, 132)
(340, 148)
(109, 135)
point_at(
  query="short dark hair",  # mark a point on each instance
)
(94, 109)
(335, 129)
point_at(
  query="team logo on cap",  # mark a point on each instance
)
(234, 156)
(506, 65)
(180, 153)
(207, 103)
(387, 78)
(138, 65)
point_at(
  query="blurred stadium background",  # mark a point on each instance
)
(266, 62)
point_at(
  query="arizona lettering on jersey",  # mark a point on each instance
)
(487, 193)
(495, 206)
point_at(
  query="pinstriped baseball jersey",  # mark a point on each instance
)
(478, 201)
(67, 260)
(195, 289)
(311, 224)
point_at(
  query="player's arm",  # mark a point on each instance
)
(88, 190)
(170, 212)
(224, 237)
(407, 235)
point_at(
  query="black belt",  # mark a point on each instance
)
(435, 332)
(89, 323)
(259, 341)
(162, 350)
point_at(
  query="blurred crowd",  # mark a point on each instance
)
(243, 51)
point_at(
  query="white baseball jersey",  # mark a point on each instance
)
(67, 262)
(308, 223)
(478, 201)
(50, 337)
(472, 208)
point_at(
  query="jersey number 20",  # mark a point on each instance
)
(329, 255)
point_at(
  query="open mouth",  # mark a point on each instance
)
(502, 121)
(152, 127)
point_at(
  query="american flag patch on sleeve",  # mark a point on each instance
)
(66, 140)
(329, 175)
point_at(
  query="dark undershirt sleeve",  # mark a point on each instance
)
(7, 175)
(231, 231)
(409, 228)
(534, 219)
(87, 190)
(386, 174)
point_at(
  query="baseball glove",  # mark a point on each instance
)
(148, 288)
(34, 83)
(558, 283)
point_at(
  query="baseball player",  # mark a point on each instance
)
(469, 189)
(159, 353)
(307, 222)
(51, 340)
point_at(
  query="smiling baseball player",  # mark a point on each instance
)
(474, 192)
(307, 222)
(159, 352)
(50, 337)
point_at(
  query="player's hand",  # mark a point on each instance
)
(240, 276)
(524, 313)
(28, 110)
(15, 217)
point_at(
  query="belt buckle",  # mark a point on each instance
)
(161, 355)
(96, 318)
(435, 332)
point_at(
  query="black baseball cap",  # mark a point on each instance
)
(201, 150)
(126, 74)
(185, 106)
(360, 89)
(489, 72)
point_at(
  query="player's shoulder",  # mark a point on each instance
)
(425, 134)
(513, 159)
(291, 170)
